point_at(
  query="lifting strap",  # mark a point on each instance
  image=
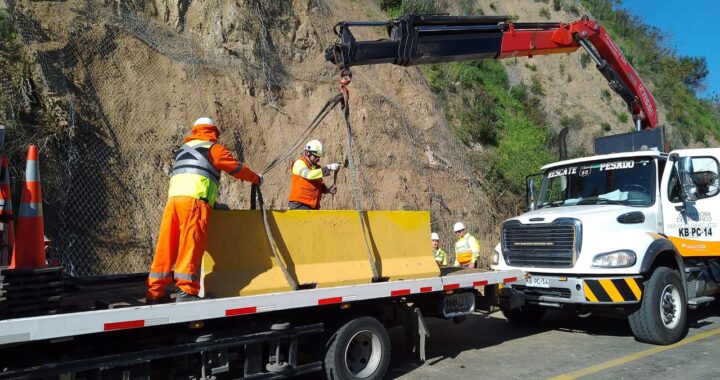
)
(353, 179)
(256, 195)
(303, 136)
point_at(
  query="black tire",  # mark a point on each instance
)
(525, 315)
(360, 349)
(663, 290)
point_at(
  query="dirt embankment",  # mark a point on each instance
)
(131, 76)
(128, 77)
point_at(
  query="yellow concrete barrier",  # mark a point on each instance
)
(323, 247)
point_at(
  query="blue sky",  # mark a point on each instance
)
(692, 28)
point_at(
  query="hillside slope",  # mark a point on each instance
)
(128, 78)
(120, 82)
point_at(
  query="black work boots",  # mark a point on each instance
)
(184, 297)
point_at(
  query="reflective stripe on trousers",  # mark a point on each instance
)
(181, 244)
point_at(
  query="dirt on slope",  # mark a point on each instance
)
(124, 79)
(131, 76)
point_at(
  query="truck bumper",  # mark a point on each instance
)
(573, 290)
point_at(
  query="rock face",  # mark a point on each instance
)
(131, 76)
(125, 79)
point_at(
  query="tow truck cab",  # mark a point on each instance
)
(633, 234)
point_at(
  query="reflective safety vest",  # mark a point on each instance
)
(306, 191)
(467, 250)
(440, 256)
(193, 175)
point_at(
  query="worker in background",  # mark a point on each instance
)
(440, 255)
(191, 196)
(306, 183)
(467, 247)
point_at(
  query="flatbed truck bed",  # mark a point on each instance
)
(111, 333)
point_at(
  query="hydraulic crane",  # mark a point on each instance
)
(424, 39)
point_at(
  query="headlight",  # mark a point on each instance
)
(618, 259)
(496, 254)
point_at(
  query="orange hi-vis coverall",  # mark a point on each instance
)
(191, 196)
(306, 183)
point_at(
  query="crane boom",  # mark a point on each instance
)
(423, 39)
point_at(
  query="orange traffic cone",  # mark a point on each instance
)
(7, 236)
(29, 249)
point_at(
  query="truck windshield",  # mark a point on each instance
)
(624, 181)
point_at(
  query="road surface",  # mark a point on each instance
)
(562, 346)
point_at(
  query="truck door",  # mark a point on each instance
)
(692, 225)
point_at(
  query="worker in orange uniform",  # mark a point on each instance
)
(306, 183)
(191, 196)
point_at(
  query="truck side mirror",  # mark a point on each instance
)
(685, 169)
(531, 193)
(530, 190)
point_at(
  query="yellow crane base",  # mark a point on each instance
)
(321, 248)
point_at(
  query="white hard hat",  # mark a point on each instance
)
(204, 121)
(315, 147)
(459, 226)
(434, 236)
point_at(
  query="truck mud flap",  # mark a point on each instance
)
(613, 290)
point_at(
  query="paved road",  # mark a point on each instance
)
(563, 346)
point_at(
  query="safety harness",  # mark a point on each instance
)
(189, 160)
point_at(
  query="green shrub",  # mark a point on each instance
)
(584, 59)
(396, 8)
(477, 120)
(569, 78)
(531, 66)
(484, 108)
(536, 87)
(493, 7)
(573, 9)
(572, 122)
(544, 13)
(388, 4)
(562, 69)
(605, 126)
(557, 5)
(622, 117)
(605, 95)
(466, 6)
(420, 6)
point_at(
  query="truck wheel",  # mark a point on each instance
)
(661, 318)
(524, 315)
(360, 349)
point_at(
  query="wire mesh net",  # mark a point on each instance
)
(108, 71)
(97, 166)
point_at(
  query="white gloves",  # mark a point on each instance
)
(335, 166)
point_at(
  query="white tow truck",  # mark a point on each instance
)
(633, 233)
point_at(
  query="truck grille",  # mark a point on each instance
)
(548, 245)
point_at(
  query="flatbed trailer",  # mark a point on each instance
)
(339, 330)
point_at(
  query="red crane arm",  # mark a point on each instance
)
(422, 39)
(607, 55)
